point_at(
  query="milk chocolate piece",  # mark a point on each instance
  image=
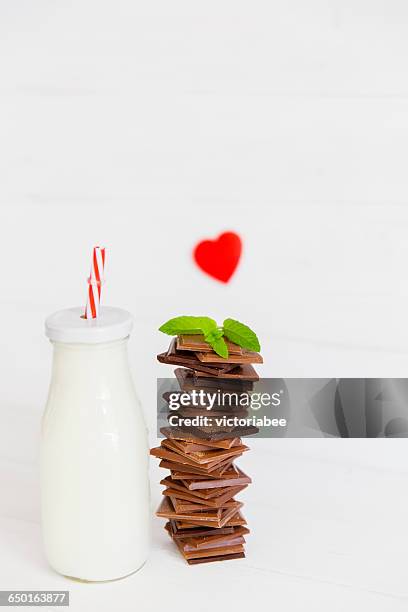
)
(199, 433)
(210, 493)
(179, 459)
(232, 477)
(212, 428)
(177, 474)
(191, 447)
(163, 453)
(207, 517)
(196, 342)
(182, 505)
(228, 542)
(207, 456)
(227, 514)
(189, 472)
(176, 491)
(235, 521)
(210, 540)
(215, 552)
(204, 494)
(186, 471)
(197, 532)
(220, 558)
(180, 475)
(213, 516)
(216, 470)
(245, 357)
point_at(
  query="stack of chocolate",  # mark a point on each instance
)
(203, 517)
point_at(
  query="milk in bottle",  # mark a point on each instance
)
(94, 450)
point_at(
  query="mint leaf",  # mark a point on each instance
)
(233, 330)
(213, 335)
(217, 342)
(241, 334)
(188, 325)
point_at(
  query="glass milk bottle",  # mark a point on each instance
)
(94, 451)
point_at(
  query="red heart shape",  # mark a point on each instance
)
(219, 258)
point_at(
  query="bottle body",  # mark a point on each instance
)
(94, 465)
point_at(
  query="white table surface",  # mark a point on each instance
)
(148, 127)
(325, 535)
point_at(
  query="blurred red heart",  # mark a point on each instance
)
(219, 258)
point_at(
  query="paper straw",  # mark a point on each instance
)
(95, 281)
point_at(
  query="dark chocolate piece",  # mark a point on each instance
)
(178, 434)
(243, 372)
(188, 382)
(217, 412)
(201, 402)
(207, 433)
(188, 359)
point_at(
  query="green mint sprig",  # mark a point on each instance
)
(213, 334)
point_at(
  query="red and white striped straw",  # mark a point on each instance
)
(95, 282)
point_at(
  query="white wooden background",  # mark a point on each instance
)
(149, 126)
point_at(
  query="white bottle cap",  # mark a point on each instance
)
(70, 326)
